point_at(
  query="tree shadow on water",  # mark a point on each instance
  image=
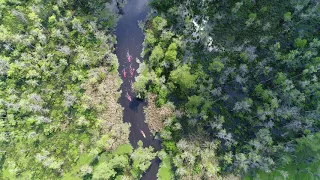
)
(134, 104)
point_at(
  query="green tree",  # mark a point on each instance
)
(193, 105)
(141, 159)
(300, 43)
(183, 77)
(156, 56)
(158, 23)
(171, 53)
(216, 65)
(104, 171)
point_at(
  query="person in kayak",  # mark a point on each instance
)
(124, 72)
(142, 133)
(129, 57)
(128, 97)
(131, 70)
(131, 84)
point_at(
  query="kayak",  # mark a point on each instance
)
(131, 71)
(143, 134)
(128, 97)
(124, 73)
(131, 84)
(129, 57)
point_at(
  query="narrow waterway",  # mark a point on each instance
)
(129, 46)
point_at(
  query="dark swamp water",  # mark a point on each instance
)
(129, 39)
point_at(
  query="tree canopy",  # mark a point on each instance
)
(242, 75)
(59, 115)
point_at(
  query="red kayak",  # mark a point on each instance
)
(128, 97)
(129, 57)
(124, 72)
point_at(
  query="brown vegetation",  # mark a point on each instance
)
(103, 97)
(155, 116)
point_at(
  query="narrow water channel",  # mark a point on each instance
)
(129, 43)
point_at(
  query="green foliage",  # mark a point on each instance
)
(158, 23)
(171, 53)
(166, 37)
(53, 123)
(183, 77)
(140, 85)
(165, 169)
(300, 43)
(287, 16)
(162, 5)
(193, 104)
(150, 38)
(170, 146)
(103, 171)
(162, 97)
(244, 78)
(124, 149)
(308, 147)
(303, 164)
(156, 56)
(216, 65)
(141, 160)
(280, 78)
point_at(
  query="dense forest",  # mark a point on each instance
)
(59, 83)
(242, 78)
(232, 88)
